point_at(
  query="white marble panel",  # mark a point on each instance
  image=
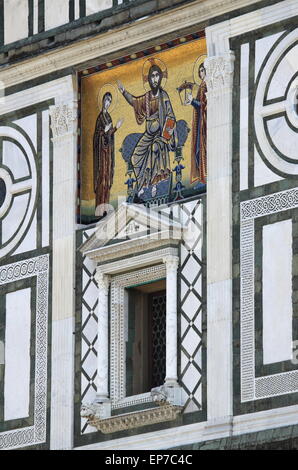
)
(90, 330)
(16, 20)
(56, 13)
(93, 6)
(287, 67)
(191, 305)
(29, 243)
(191, 341)
(244, 83)
(262, 47)
(12, 220)
(77, 9)
(15, 160)
(263, 174)
(190, 270)
(191, 407)
(191, 377)
(277, 292)
(283, 137)
(29, 125)
(62, 386)
(17, 354)
(91, 294)
(45, 179)
(35, 16)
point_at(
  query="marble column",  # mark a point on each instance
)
(171, 263)
(219, 78)
(103, 337)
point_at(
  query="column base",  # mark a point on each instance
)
(171, 382)
(168, 394)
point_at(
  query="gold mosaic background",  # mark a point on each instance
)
(180, 62)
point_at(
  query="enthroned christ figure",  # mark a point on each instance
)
(150, 158)
(104, 155)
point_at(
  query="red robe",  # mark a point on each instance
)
(199, 137)
(103, 158)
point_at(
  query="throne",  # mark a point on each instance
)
(160, 190)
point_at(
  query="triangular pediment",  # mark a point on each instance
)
(132, 222)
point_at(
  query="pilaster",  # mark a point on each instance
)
(63, 126)
(219, 71)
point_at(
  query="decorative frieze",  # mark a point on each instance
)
(132, 420)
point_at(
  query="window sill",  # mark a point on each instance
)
(160, 414)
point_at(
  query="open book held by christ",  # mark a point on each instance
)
(168, 127)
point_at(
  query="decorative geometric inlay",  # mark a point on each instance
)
(275, 106)
(191, 305)
(269, 204)
(277, 384)
(89, 332)
(24, 269)
(253, 388)
(13, 188)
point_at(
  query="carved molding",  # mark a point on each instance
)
(132, 420)
(63, 118)
(102, 280)
(115, 40)
(219, 72)
(171, 262)
(117, 346)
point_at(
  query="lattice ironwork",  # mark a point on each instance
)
(158, 306)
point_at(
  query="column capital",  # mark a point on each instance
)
(63, 119)
(171, 262)
(103, 280)
(219, 71)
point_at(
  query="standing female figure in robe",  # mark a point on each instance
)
(199, 131)
(104, 155)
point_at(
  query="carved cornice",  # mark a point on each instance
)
(115, 40)
(133, 420)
